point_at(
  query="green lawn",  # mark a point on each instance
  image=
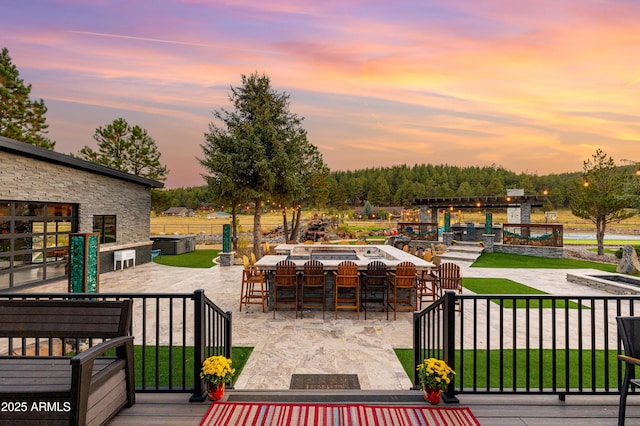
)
(194, 259)
(376, 240)
(508, 260)
(607, 250)
(172, 371)
(405, 356)
(505, 367)
(506, 286)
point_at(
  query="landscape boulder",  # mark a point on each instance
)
(629, 263)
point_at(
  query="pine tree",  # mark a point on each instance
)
(260, 151)
(126, 148)
(367, 210)
(603, 196)
(20, 118)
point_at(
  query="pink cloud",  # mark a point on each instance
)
(528, 85)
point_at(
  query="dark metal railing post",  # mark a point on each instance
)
(449, 339)
(228, 351)
(199, 391)
(417, 347)
(227, 337)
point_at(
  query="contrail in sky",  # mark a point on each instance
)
(155, 40)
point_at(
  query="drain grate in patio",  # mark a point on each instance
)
(324, 381)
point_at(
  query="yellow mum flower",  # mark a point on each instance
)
(217, 369)
(435, 374)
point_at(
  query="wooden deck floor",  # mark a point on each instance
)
(512, 410)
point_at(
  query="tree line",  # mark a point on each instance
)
(400, 185)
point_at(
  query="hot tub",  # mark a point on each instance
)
(174, 244)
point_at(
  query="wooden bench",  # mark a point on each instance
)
(85, 389)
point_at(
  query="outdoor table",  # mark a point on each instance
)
(331, 255)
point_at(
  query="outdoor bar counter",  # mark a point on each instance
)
(332, 255)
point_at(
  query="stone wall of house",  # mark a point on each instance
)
(27, 179)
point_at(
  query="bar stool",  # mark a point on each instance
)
(449, 278)
(428, 286)
(285, 278)
(374, 281)
(403, 279)
(347, 278)
(254, 286)
(313, 278)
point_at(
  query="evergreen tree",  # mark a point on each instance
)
(405, 194)
(380, 193)
(20, 118)
(526, 183)
(367, 210)
(126, 148)
(337, 195)
(464, 190)
(496, 187)
(310, 175)
(225, 180)
(144, 156)
(264, 146)
(603, 196)
(160, 200)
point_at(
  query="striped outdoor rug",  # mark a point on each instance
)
(240, 413)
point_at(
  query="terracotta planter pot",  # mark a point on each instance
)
(215, 392)
(432, 396)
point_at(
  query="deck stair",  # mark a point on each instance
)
(462, 251)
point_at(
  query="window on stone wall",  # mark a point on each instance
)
(34, 241)
(106, 226)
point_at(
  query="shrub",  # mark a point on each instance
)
(618, 252)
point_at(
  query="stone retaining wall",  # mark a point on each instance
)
(538, 251)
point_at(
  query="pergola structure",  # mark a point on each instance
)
(429, 206)
(520, 238)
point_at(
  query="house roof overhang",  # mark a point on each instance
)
(49, 156)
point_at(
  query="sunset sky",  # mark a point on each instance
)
(532, 86)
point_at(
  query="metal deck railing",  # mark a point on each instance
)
(173, 333)
(543, 344)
